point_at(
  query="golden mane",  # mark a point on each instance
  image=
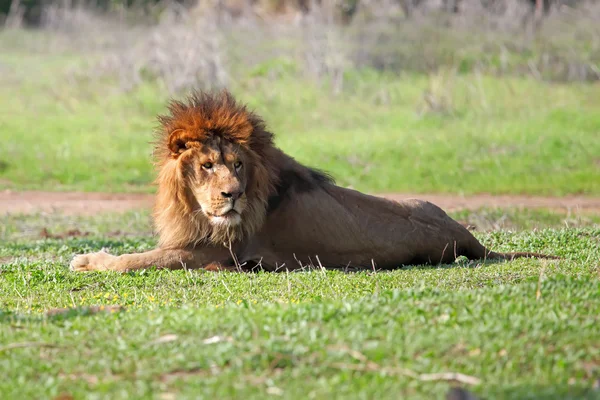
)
(204, 114)
(176, 219)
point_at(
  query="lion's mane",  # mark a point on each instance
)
(177, 219)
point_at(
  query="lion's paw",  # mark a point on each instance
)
(100, 261)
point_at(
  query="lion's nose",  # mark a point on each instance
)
(234, 195)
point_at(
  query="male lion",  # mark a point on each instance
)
(228, 199)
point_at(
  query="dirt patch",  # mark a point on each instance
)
(71, 203)
(80, 203)
(5, 260)
(583, 204)
(46, 234)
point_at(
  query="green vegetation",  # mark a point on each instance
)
(80, 98)
(524, 329)
(306, 334)
(473, 134)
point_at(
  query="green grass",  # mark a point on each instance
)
(526, 329)
(195, 334)
(495, 135)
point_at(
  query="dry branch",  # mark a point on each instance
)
(370, 366)
(22, 345)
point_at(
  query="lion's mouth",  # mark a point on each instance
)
(229, 217)
(228, 214)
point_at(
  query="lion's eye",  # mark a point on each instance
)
(237, 164)
(207, 165)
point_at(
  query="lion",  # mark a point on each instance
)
(228, 199)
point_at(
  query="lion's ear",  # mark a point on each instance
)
(178, 141)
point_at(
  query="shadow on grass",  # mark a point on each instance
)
(256, 267)
(580, 390)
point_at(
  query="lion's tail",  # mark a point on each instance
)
(477, 251)
(520, 254)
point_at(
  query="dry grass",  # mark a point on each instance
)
(182, 50)
(208, 46)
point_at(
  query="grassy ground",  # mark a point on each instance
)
(443, 133)
(526, 329)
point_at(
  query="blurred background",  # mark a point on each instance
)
(419, 96)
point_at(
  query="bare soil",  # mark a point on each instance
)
(72, 203)
(85, 203)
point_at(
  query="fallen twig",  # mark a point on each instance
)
(370, 366)
(450, 376)
(22, 345)
(441, 376)
(170, 337)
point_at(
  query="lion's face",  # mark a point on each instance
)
(215, 174)
(218, 179)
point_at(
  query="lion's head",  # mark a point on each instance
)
(213, 182)
(215, 176)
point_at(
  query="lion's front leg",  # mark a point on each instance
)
(160, 258)
(100, 261)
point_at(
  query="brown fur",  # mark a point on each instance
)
(285, 215)
(176, 220)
